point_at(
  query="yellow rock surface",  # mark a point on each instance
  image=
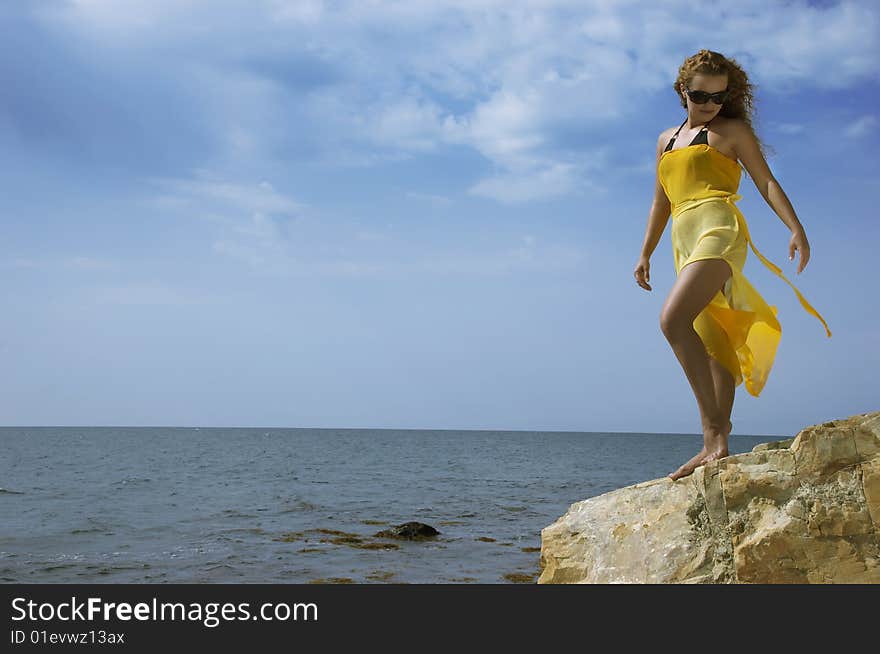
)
(803, 510)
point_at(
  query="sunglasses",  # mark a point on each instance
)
(701, 97)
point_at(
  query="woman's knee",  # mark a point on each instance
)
(694, 288)
(673, 321)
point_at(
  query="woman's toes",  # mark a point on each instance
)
(689, 467)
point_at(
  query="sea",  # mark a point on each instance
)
(265, 505)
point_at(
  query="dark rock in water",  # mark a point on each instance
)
(11, 492)
(408, 531)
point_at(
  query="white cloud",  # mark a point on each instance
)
(527, 257)
(435, 200)
(790, 128)
(370, 235)
(540, 183)
(91, 263)
(20, 262)
(825, 48)
(147, 294)
(75, 262)
(206, 189)
(254, 219)
(408, 123)
(861, 127)
(250, 217)
(307, 12)
(383, 81)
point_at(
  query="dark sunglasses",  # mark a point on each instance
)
(701, 97)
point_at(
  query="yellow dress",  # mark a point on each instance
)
(737, 327)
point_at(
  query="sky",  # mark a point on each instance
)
(411, 215)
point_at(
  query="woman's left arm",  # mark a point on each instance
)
(748, 151)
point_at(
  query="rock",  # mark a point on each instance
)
(408, 531)
(803, 510)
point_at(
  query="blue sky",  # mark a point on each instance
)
(409, 214)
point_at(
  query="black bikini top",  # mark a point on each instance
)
(701, 137)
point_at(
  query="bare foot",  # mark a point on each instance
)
(716, 449)
(690, 466)
(718, 446)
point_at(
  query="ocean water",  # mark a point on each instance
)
(260, 505)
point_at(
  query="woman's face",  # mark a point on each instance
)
(709, 84)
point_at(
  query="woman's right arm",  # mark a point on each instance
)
(657, 219)
(660, 208)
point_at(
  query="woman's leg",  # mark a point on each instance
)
(725, 389)
(696, 284)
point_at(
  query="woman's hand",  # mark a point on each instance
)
(799, 242)
(643, 273)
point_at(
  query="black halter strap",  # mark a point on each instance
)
(679, 128)
(704, 128)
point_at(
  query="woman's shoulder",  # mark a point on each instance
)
(726, 127)
(730, 132)
(668, 132)
(717, 121)
(665, 136)
(730, 122)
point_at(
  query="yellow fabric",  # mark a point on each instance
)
(737, 327)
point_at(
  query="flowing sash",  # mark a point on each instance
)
(731, 200)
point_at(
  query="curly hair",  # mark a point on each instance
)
(740, 102)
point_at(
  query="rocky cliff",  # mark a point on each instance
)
(803, 510)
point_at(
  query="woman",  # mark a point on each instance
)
(719, 327)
